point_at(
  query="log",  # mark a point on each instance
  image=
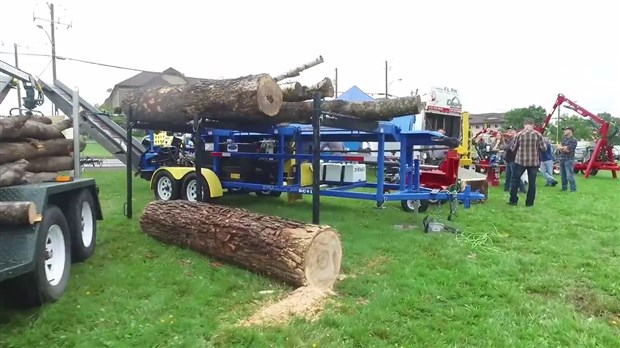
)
(9, 124)
(13, 151)
(291, 91)
(50, 164)
(35, 178)
(296, 253)
(41, 119)
(295, 72)
(40, 131)
(373, 110)
(228, 99)
(12, 173)
(18, 213)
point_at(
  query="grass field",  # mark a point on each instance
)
(95, 150)
(516, 277)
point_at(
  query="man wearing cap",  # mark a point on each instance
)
(567, 160)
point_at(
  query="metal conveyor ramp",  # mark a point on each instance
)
(98, 125)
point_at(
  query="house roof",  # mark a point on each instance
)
(144, 77)
(493, 117)
(354, 94)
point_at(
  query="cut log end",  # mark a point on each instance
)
(323, 259)
(18, 213)
(269, 96)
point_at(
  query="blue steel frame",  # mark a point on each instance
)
(408, 188)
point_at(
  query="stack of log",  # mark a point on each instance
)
(256, 99)
(33, 150)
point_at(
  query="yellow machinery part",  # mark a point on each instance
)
(179, 173)
(464, 149)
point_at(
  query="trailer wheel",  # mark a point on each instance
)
(189, 188)
(268, 193)
(83, 225)
(166, 187)
(593, 171)
(50, 277)
(408, 205)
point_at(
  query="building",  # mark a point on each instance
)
(146, 79)
(493, 121)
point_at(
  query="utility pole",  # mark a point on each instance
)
(386, 79)
(19, 90)
(52, 39)
(336, 84)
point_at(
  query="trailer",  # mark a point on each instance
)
(270, 160)
(35, 259)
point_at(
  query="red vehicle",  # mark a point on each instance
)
(602, 157)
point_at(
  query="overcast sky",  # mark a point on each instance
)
(498, 54)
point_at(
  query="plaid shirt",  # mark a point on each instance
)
(529, 144)
(571, 143)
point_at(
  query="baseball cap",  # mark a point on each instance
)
(571, 129)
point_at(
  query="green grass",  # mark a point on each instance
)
(516, 277)
(95, 150)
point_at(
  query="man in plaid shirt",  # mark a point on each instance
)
(528, 145)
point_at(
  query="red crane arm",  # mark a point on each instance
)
(573, 106)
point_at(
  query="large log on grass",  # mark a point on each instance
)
(18, 213)
(12, 173)
(227, 99)
(294, 252)
(38, 130)
(13, 151)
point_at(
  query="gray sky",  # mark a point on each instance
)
(498, 54)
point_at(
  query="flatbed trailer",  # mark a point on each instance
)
(35, 260)
(292, 164)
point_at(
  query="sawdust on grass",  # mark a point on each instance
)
(306, 302)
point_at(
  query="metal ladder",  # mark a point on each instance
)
(98, 125)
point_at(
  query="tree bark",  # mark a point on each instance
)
(291, 91)
(325, 88)
(373, 110)
(13, 151)
(42, 119)
(228, 99)
(50, 164)
(9, 124)
(18, 213)
(35, 178)
(294, 252)
(12, 173)
(40, 131)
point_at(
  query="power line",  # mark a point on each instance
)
(82, 61)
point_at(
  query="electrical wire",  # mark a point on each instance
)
(80, 61)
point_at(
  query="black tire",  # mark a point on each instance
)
(407, 206)
(36, 288)
(593, 172)
(189, 180)
(83, 225)
(268, 193)
(169, 189)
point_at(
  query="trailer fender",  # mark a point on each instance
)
(179, 173)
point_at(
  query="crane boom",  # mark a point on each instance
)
(29, 82)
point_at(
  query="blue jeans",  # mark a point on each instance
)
(510, 168)
(518, 170)
(546, 169)
(567, 171)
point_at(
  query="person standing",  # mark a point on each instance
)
(546, 164)
(528, 145)
(567, 160)
(509, 158)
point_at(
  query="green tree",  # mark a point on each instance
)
(515, 117)
(614, 129)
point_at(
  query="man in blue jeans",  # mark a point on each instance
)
(546, 164)
(509, 157)
(528, 145)
(567, 160)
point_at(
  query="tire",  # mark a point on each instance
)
(407, 205)
(189, 188)
(593, 172)
(82, 225)
(166, 187)
(43, 286)
(268, 193)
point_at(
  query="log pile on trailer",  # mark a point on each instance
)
(33, 149)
